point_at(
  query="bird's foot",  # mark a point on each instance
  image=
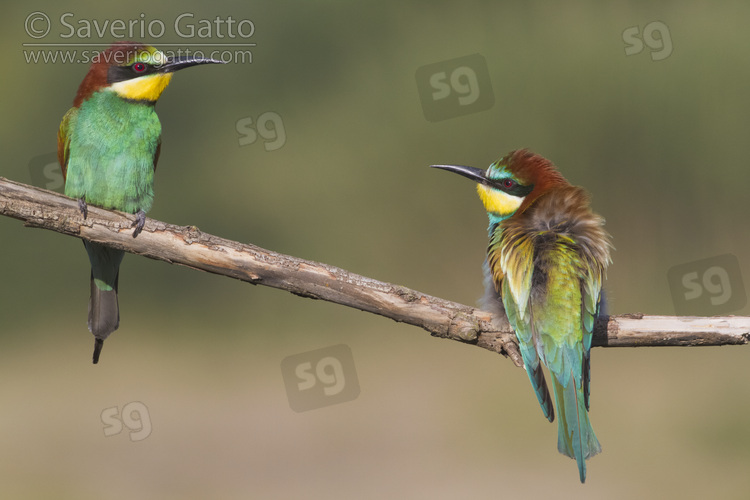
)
(140, 221)
(83, 208)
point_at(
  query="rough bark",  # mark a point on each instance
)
(188, 246)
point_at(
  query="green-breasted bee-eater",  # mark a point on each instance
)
(547, 256)
(108, 145)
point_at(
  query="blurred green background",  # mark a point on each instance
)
(660, 142)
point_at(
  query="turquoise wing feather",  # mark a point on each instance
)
(513, 268)
(550, 287)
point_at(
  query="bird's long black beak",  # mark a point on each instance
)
(473, 173)
(181, 62)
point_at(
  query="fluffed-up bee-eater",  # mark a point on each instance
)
(108, 145)
(547, 256)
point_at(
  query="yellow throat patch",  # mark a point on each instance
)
(498, 202)
(144, 88)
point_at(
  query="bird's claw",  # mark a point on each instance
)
(83, 208)
(140, 221)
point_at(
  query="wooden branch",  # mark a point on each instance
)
(187, 246)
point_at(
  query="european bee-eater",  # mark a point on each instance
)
(108, 145)
(546, 259)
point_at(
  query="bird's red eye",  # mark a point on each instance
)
(139, 67)
(508, 183)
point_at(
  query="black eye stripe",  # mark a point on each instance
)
(135, 70)
(512, 187)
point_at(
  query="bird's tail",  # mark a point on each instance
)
(104, 311)
(575, 436)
